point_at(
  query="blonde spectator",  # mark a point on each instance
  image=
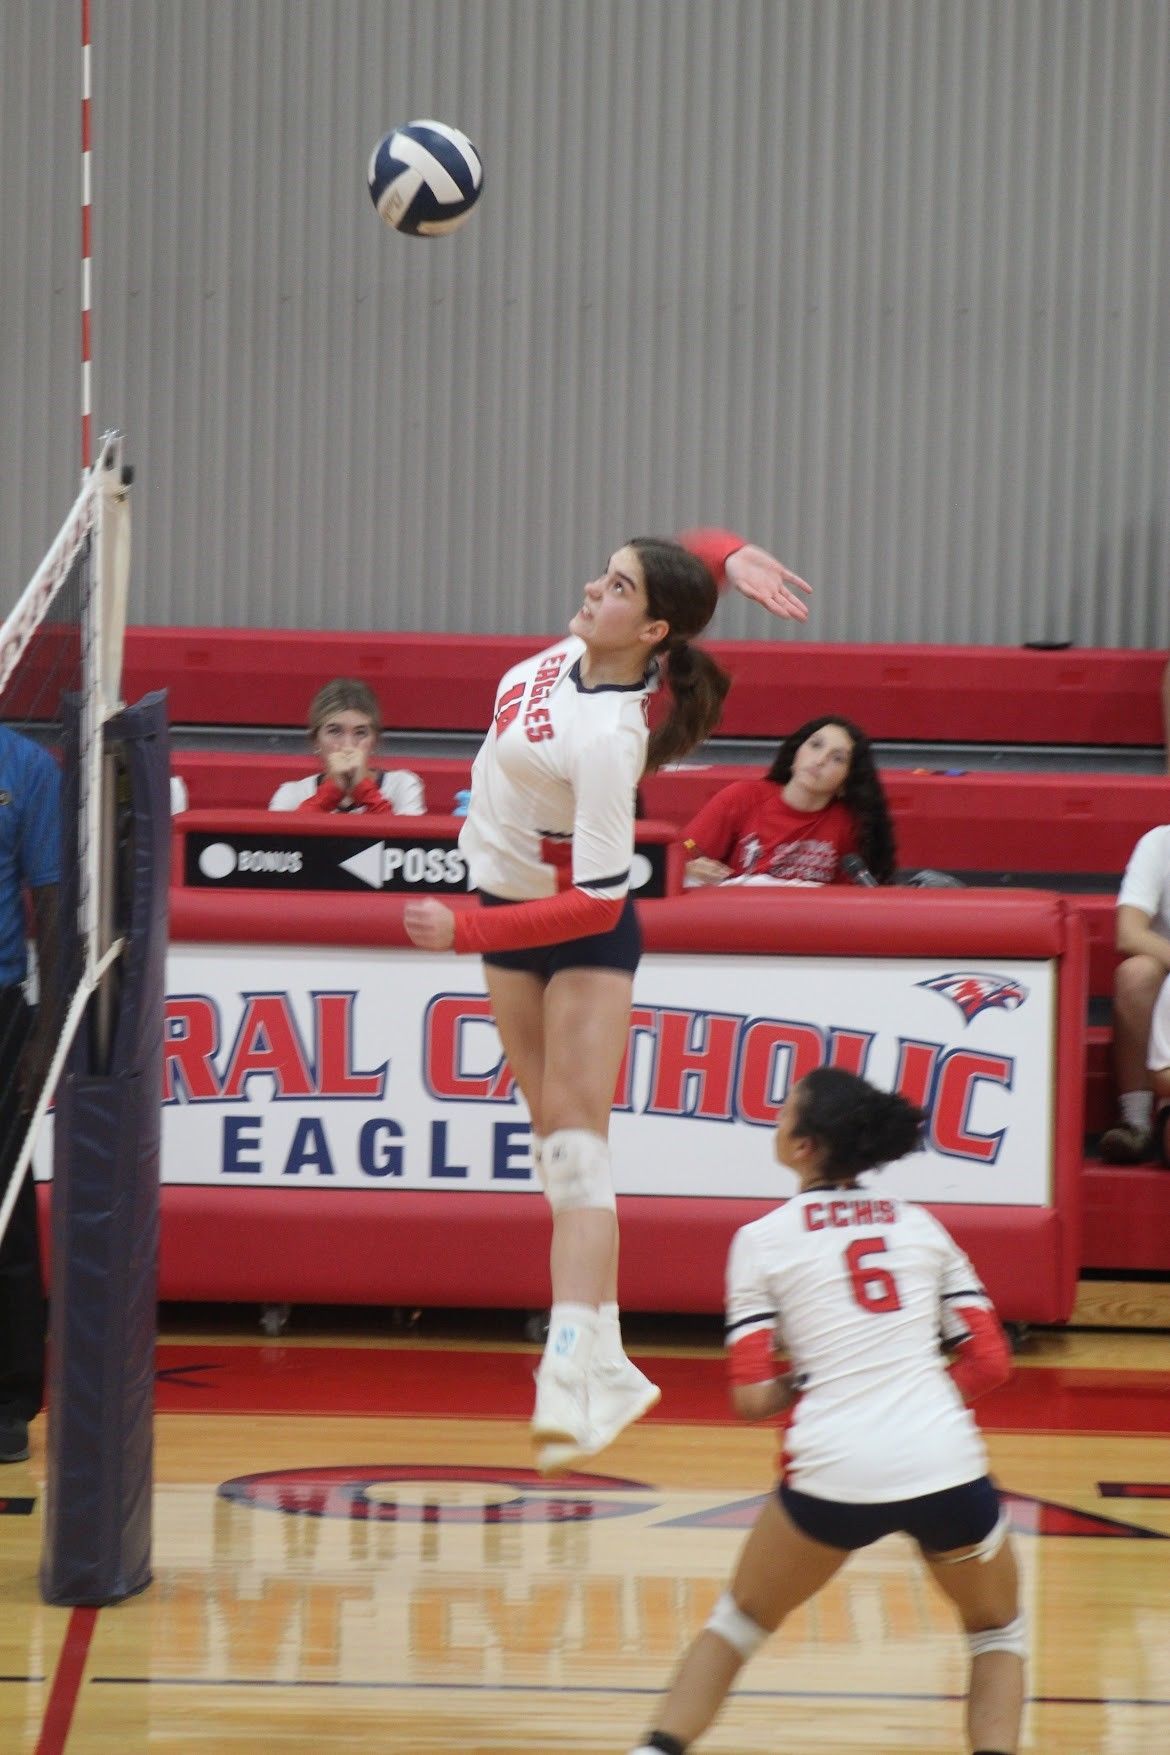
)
(344, 727)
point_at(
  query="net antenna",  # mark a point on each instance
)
(64, 638)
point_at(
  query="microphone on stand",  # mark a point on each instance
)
(858, 872)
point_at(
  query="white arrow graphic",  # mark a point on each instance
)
(366, 864)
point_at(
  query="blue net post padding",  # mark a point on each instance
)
(97, 1541)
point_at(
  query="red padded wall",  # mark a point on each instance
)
(446, 682)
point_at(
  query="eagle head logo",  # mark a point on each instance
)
(974, 993)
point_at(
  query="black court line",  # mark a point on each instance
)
(21, 1679)
(860, 1695)
(183, 1374)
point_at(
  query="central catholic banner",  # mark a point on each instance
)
(293, 1067)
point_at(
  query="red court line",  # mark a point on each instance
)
(66, 1683)
(458, 1383)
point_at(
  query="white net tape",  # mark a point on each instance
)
(39, 595)
(89, 555)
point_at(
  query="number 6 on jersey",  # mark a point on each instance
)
(874, 1288)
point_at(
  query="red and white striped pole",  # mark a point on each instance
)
(86, 242)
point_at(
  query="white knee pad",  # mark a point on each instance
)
(739, 1630)
(538, 1159)
(1013, 1638)
(576, 1171)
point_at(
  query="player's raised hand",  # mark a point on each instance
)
(758, 575)
(429, 925)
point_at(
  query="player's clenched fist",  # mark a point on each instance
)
(429, 925)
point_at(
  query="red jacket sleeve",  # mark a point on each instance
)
(984, 1360)
(325, 797)
(370, 795)
(328, 796)
(550, 921)
(714, 548)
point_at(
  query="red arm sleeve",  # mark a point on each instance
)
(751, 1360)
(327, 797)
(984, 1360)
(714, 548)
(549, 921)
(370, 794)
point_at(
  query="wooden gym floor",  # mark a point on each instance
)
(351, 1553)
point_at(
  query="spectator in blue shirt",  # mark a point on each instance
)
(30, 830)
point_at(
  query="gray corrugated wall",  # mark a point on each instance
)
(883, 283)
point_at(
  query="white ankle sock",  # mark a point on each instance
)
(1137, 1109)
(572, 1329)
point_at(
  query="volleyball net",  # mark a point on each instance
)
(60, 676)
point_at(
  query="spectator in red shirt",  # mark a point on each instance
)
(820, 800)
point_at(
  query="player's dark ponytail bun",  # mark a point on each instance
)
(681, 591)
(698, 690)
(858, 1126)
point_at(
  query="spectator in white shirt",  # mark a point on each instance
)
(1141, 1000)
(344, 727)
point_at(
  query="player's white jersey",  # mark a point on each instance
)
(858, 1290)
(561, 762)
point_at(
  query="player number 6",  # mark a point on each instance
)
(874, 1288)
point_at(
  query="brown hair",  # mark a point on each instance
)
(345, 694)
(681, 591)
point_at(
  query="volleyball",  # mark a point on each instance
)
(425, 178)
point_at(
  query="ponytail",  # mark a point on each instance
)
(681, 591)
(698, 688)
(857, 1126)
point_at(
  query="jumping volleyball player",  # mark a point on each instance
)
(860, 1289)
(561, 763)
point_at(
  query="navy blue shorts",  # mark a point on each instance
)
(619, 948)
(958, 1517)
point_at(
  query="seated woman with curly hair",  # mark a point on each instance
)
(820, 801)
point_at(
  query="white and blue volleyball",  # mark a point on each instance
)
(425, 178)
